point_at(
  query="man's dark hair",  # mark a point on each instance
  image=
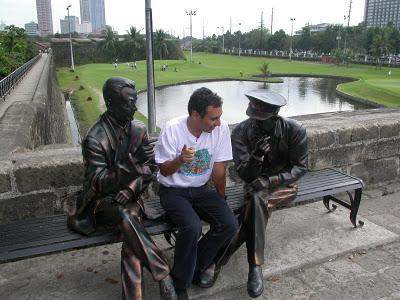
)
(113, 86)
(201, 98)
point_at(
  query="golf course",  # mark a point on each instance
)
(85, 84)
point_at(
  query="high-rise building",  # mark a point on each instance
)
(85, 10)
(379, 13)
(2, 26)
(44, 16)
(85, 27)
(97, 15)
(64, 25)
(31, 29)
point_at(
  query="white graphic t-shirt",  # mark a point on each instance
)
(210, 147)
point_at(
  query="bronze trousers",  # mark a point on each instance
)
(253, 220)
(138, 249)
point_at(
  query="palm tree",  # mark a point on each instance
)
(110, 42)
(160, 44)
(264, 68)
(379, 48)
(135, 42)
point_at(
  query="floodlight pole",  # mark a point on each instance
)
(240, 33)
(223, 35)
(291, 41)
(191, 13)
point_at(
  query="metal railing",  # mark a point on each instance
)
(8, 83)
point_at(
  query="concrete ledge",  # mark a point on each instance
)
(48, 169)
(376, 171)
(28, 206)
(5, 176)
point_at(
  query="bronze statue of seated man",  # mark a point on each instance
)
(270, 155)
(119, 163)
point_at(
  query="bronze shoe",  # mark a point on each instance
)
(207, 278)
(255, 282)
(167, 290)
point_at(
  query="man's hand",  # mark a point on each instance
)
(187, 154)
(262, 147)
(145, 152)
(169, 167)
(123, 196)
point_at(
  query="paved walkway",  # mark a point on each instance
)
(310, 255)
(13, 107)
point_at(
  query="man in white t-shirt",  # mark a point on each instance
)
(191, 150)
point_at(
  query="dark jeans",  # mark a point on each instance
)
(186, 207)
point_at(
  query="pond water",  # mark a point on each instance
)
(305, 96)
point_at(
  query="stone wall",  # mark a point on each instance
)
(365, 144)
(50, 122)
(35, 112)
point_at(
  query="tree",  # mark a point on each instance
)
(110, 44)
(304, 42)
(325, 41)
(379, 46)
(160, 44)
(342, 55)
(278, 40)
(135, 43)
(264, 68)
(15, 49)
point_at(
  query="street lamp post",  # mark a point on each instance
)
(70, 41)
(191, 13)
(223, 35)
(338, 38)
(240, 33)
(151, 102)
(291, 41)
(348, 24)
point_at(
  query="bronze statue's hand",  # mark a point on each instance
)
(262, 147)
(187, 154)
(259, 184)
(123, 196)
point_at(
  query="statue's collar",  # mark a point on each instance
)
(114, 130)
(278, 130)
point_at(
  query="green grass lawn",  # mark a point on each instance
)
(374, 84)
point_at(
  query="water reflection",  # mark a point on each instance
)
(305, 96)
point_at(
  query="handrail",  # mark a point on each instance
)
(10, 82)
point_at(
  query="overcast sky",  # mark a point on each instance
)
(170, 15)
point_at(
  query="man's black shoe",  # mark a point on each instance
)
(182, 294)
(207, 278)
(167, 290)
(255, 282)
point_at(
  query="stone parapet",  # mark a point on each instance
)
(364, 143)
(39, 183)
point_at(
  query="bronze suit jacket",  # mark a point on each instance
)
(110, 166)
(284, 164)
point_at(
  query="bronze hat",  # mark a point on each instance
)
(264, 104)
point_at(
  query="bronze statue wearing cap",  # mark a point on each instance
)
(119, 162)
(270, 155)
